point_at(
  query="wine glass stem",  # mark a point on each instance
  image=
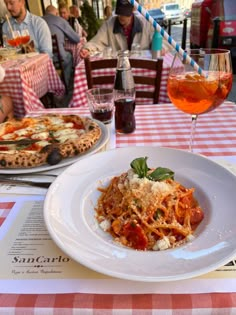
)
(193, 128)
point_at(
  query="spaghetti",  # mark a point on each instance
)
(148, 215)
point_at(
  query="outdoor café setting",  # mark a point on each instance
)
(117, 157)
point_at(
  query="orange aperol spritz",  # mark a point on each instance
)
(14, 39)
(25, 37)
(198, 93)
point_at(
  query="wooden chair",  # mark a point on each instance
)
(58, 61)
(144, 81)
(48, 99)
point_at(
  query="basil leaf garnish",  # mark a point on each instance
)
(161, 173)
(140, 167)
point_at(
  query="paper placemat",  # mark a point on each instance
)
(32, 263)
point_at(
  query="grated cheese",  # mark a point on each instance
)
(146, 187)
(105, 225)
(162, 244)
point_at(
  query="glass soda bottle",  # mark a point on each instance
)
(124, 95)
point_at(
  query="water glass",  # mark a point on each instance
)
(135, 50)
(101, 104)
(107, 52)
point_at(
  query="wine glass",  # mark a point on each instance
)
(198, 92)
(14, 39)
(25, 37)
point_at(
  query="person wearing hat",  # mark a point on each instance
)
(121, 31)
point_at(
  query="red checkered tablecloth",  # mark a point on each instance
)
(157, 125)
(27, 79)
(5, 208)
(164, 125)
(80, 82)
(120, 304)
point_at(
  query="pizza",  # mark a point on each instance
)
(34, 141)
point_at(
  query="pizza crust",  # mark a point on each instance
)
(50, 153)
(84, 142)
(22, 160)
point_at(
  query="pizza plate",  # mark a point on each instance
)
(72, 224)
(7, 52)
(98, 146)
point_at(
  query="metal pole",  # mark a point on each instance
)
(169, 27)
(215, 38)
(184, 34)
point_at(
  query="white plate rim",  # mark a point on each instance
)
(228, 249)
(65, 162)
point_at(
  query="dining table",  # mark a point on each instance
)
(83, 291)
(28, 77)
(80, 82)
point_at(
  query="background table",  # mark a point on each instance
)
(80, 82)
(27, 79)
(157, 125)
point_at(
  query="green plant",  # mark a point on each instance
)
(89, 20)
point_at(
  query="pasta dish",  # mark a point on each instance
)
(146, 209)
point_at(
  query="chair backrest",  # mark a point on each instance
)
(146, 73)
(57, 60)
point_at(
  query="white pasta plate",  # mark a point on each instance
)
(70, 217)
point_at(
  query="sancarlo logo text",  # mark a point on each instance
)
(40, 260)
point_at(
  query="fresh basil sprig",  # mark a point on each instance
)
(140, 167)
(161, 173)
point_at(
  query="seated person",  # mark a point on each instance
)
(22, 19)
(64, 31)
(121, 31)
(74, 23)
(74, 12)
(107, 12)
(6, 106)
